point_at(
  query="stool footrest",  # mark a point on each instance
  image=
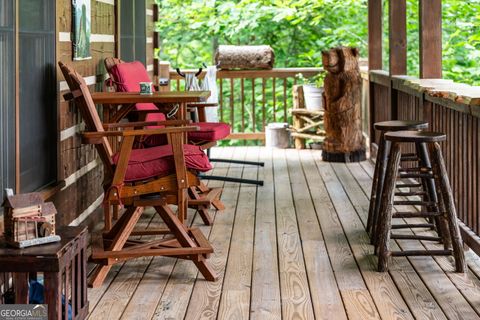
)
(413, 225)
(421, 253)
(415, 175)
(416, 169)
(409, 158)
(411, 193)
(416, 214)
(415, 237)
(413, 203)
(409, 185)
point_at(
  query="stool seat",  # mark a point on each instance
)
(415, 136)
(400, 125)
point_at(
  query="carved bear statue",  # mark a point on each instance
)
(342, 96)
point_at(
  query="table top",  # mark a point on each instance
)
(156, 97)
(53, 249)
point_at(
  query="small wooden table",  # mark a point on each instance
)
(127, 101)
(64, 265)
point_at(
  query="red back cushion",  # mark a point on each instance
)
(127, 77)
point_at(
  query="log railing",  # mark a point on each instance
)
(250, 99)
(450, 108)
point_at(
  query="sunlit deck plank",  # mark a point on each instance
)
(295, 293)
(356, 297)
(266, 304)
(235, 299)
(176, 296)
(205, 298)
(319, 270)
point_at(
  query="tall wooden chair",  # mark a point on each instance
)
(126, 78)
(137, 178)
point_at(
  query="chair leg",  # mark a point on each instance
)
(440, 173)
(202, 210)
(180, 232)
(385, 208)
(118, 235)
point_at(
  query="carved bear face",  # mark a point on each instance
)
(341, 59)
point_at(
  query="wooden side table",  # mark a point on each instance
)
(64, 266)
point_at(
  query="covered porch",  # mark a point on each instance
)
(295, 248)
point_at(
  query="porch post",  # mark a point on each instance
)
(398, 36)
(375, 27)
(430, 17)
(375, 34)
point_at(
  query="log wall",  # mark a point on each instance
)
(78, 165)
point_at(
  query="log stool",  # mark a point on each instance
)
(380, 165)
(442, 204)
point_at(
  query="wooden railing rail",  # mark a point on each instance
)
(250, 99)
(451, 108)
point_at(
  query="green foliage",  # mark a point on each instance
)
(298, 30)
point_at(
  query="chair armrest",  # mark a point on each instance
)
(97, 137)
(146, 123)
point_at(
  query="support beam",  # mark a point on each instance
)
(398, 36)
(156, 44)
(430, 17)
(375, 14)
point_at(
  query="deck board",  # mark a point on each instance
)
(293, 249)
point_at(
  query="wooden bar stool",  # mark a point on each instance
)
(380, 165)
(442, 204)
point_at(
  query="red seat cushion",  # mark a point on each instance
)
(209, 131)
(127, 76)
(158, 162)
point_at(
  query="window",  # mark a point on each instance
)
(7, 95)
(37, 94)
(133, 30)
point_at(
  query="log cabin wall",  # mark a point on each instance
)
(78, 165)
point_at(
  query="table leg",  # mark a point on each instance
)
(53, 295)
(21, 287)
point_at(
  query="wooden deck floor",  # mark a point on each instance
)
(293, 249)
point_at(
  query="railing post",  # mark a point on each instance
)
(398, 47)
(375, 15)
(430, 17)
(164, 73)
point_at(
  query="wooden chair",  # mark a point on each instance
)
(201, 197)
(172, 170)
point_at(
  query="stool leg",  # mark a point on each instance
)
(377, 186)
(429, 187)
(373, 193)
(440, 174)
(386, 206)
